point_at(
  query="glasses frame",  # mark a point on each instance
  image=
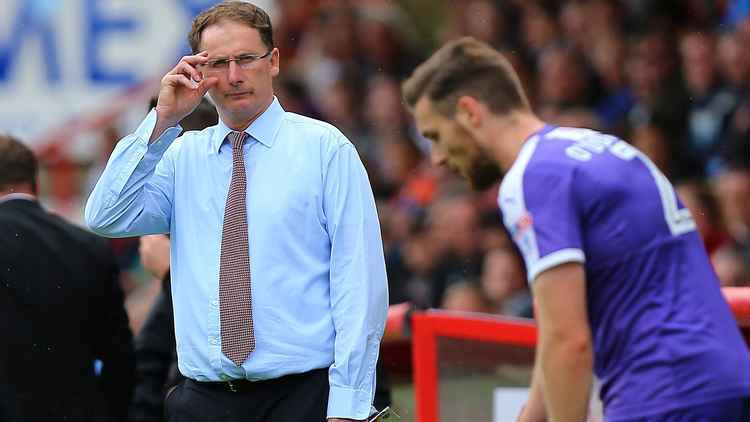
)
(244, 61)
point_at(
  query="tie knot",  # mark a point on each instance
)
(237, 139)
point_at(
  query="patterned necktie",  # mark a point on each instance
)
(235, 301)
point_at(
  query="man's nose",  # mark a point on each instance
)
(234, 73)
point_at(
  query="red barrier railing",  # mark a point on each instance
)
(427, 326)
(739, 302)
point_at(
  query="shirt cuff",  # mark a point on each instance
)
(348, 403)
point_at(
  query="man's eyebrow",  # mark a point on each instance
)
(224, 57)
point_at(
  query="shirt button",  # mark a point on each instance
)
(214, 341)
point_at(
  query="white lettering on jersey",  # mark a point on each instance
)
(588, 142)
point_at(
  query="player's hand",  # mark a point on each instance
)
(182, 89)
(527, 415)
(154, 252)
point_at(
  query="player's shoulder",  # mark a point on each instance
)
(542, 156)
(580, 145)
(571, 145)
(559, 152)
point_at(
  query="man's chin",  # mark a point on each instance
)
(239, 106)
(238, 103)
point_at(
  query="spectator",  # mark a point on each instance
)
(504, 283)
(61, 309)
(733, 191)
(539, 27)
(701, 201)
(481, 19)
(733, 59)
(454, 232)
(562, 81)
(420, 259)
(607, 58)
(465, 296)
(731, 266)
(156, 354)
(711, 104)
(659, 98)
(652, 141)
(382, 45)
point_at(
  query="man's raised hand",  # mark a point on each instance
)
(182, 89)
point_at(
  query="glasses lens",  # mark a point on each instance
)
(218, 64)
(246, 60)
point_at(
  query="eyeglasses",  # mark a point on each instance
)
(244, 61)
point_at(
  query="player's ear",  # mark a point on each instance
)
(468, 112)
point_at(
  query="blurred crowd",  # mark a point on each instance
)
(669, 76)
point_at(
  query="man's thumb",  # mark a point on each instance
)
(206, 84)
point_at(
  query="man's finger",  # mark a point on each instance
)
(206, 84)
(195, 59)
(188, 62)
(180, 80)
(187, 70)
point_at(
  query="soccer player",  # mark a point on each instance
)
(621, 280)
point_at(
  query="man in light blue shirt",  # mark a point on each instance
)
(317, 275)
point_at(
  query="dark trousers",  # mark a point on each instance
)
(292, 398)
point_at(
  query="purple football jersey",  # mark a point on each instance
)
(663, 335)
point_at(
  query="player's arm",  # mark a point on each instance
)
(565, 352)
(534, 410)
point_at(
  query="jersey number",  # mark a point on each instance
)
(679, 220)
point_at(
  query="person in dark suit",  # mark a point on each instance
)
(67, 352)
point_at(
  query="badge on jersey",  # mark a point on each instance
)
(522, 232)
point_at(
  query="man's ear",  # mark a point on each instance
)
(469, 112)
(275, 59)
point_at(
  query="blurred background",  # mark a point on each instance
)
(670, 76)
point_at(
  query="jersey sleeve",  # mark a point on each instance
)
(541, 212)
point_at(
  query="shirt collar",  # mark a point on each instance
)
(263, 129)
(17, 195)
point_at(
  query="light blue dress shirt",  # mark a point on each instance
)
(319, 289)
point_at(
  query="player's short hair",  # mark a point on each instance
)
(236, 11)
(466, 66)
(18, 165)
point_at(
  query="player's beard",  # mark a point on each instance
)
(484, 172)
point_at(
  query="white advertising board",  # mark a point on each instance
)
(65, 59)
